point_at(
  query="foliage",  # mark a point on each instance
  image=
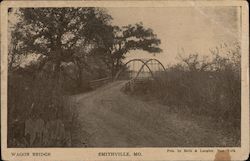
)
(227, 57)
(195, 63)
(131, 37)
(57, 34)
(55, 52)
(47, 116)
(213, 94)
(52, 31)
(73, 34)
(223, 57)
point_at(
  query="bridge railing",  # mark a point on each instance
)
(99, 82)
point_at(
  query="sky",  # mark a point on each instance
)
(182, 30)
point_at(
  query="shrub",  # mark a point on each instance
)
(202, 88)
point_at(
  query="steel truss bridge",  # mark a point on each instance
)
(135, 71)
(140, 69)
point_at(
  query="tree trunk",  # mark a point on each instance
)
(79, 74)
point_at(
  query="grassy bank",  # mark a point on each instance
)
(211, 96)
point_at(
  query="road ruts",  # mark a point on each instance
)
(114, 119)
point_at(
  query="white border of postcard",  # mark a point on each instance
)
(236, 153)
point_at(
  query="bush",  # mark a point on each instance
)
(209, 98)
(198, 87)
(214, 94)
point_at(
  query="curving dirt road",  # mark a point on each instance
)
(114, 119)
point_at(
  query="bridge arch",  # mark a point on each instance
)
(133, 60)
(164, 69)
(144, 63)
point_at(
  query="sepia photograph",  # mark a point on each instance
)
(124, 77)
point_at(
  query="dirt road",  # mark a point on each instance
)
(114, 119)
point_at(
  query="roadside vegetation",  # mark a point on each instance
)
(202, 89)
(54, 53)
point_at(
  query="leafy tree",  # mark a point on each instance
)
(72, 34)
(127, 38)
(13, 49)
(226, 57)
(56, 34)
(194, 62)
(222, 57)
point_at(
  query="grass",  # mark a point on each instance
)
(38, 112)
(203, 96)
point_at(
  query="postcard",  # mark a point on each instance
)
(124, 80)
